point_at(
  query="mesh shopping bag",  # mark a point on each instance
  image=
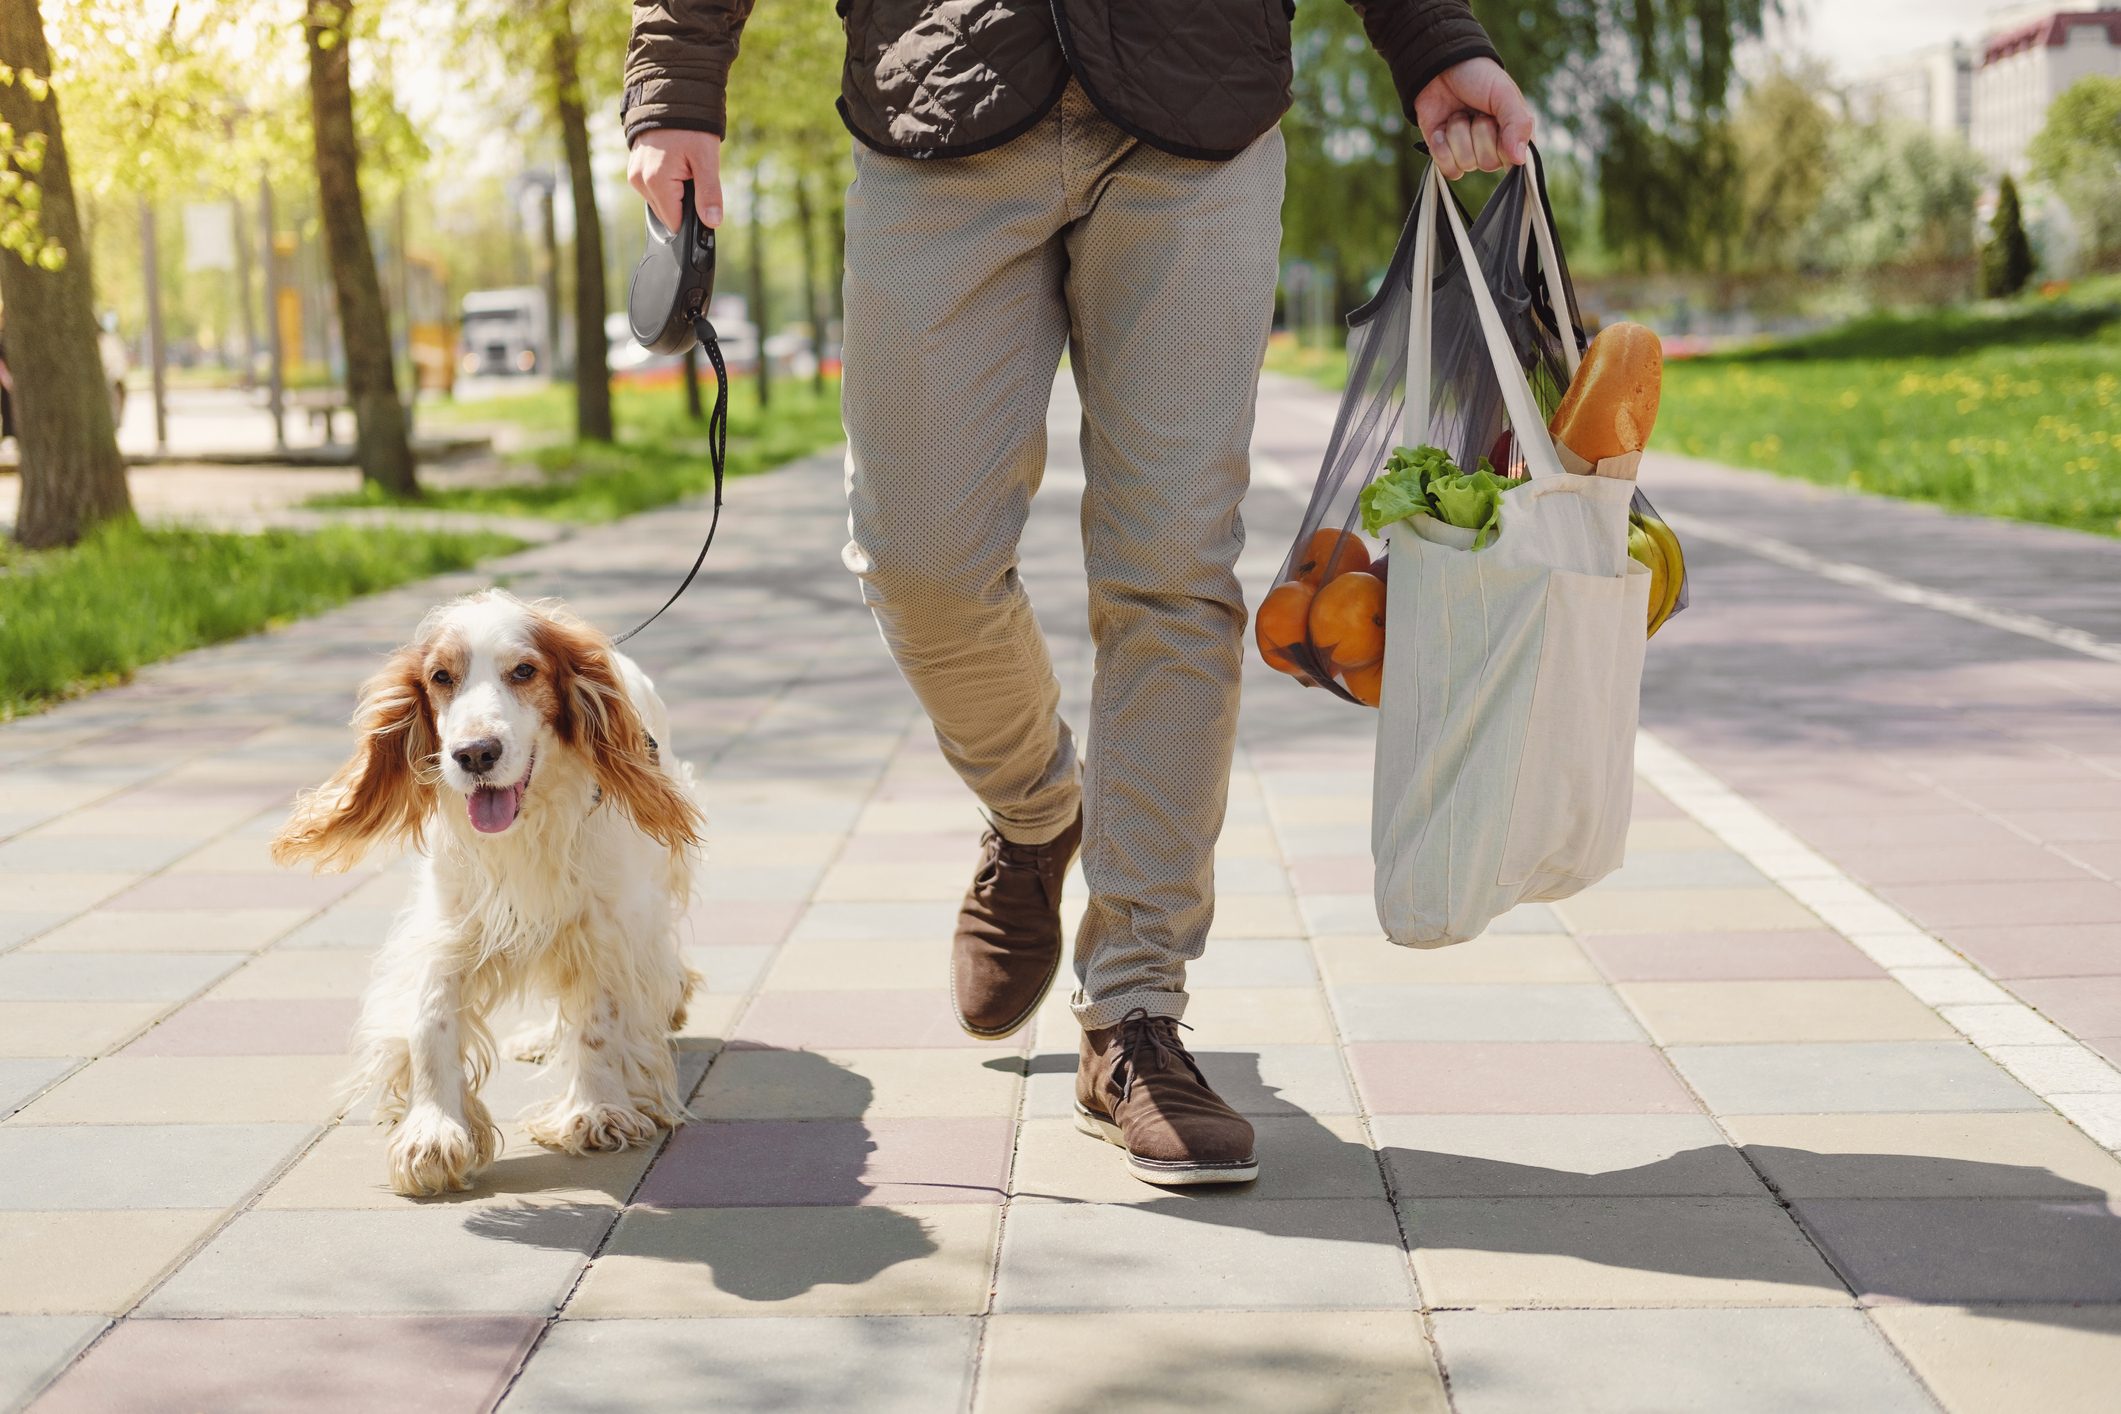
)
(1519, 258)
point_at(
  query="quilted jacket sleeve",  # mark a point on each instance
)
(1419, 39)
(677, 65)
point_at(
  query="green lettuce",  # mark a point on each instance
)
(1419, 480)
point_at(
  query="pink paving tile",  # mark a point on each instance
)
(416, 1364)
(2068, 826)
(223, 891)
(2059, 950)
(2089, 1006)
(1991, 904)
(1435, 1077)
(827, 1021)
(735, 923)
(2103, 856)
(189, 794)
(1649, 805)
(1334, 874)
(2108, 1046)
(2014, 862)
(280, 1027)
(1945, 826)
(830, 1162)
(1651, 957)
(2085, 792)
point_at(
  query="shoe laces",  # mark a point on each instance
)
(999, 857)
(1150, 1043)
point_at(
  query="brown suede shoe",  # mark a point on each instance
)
(1008, 944)
(1136, 1087)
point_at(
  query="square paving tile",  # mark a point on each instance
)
(109, 977)
(1686, 869)
(1883, 1077)
(194, 1090)
(831, 1162)
(1614, 1252)
(118, 931)
(865, 964)
(343, 927)
(1253, 962)
(139, 1165)
(753, 1365)
(1972, 1249)
(2054, 1359)
(107, 854)
(49, 892)
(1197, 1254)
(1682, 1013)
(1428, 1077)
(2028, 1155)
(1497, 957)
(18, 926)
(308, 974)
(925, 1261)
(928, 918)
(1298, 1157)
(20, 1080)
(1995, 904)
(58, 1262)
(1244, 1362)
(1673, 1362)
(49, 1029)
(1528, 1156)
(279, 1027)
(887, 1084)
(349, 1168)
(1733, 957)
(2061, 950)
(34, 1349)
(1225, 1017)
(276, 889)
(731, 971)
(338, 1365)
(1609, 910)
(1483, 1012)
(277, 1263)
(839, 1021)
(2089, 1006)
(732, 923)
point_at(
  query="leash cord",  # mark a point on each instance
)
(717, 453)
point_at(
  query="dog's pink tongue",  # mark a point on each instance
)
(493, 811)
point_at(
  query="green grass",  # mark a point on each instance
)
(661, 454)
(2013, 413)
(1328, 368)
(78, 619)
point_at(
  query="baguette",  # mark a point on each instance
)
(1612, 404)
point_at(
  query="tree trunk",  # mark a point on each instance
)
(238, 223)
(758, 287)
(813, 302)
(72, 475)
(275, 329)
(694, 409)
(157, 346)
(380, 442)
(592, 368)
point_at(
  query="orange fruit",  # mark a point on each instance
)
(1348, 620)
(1368, 684)
(1331, 554)
(1279, 624)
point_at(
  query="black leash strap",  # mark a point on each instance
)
(717, 452)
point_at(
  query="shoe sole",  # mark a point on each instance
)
(1022, 1018)
(1162, 1173)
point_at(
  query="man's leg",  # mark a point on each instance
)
(955, 325)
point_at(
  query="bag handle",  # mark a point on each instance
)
(1525, 421)
(1539, 215)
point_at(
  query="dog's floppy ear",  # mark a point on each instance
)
(594, 715)
(385, 790)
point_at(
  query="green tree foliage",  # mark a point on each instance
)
(2007, 258)
(21, 162)
(2078, 153)
(1895, 194)
(1778, 133)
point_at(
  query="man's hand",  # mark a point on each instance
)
(664, 159)
(1473, 117)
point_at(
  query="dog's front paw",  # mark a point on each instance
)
(431, 1154)
(593, 1129)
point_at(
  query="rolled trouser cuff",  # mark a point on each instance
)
(1111, 1011)
(1045, 830)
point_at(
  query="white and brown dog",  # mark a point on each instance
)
(530, 765)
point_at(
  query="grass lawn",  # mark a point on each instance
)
(78, 619)
(1328, 368)
(661, 454)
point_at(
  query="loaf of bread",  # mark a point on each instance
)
(1612, 404)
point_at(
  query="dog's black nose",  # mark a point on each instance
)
(478, 756)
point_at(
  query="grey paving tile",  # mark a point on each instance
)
(2029, 1154)
(1854, 1077)
(115, 854)
(1191, 1253)
(21, 1079)
(343, 928)
(2053, 1359)
(1509, 1156)
(1685, 869)
(416, 1259)
(1483, 1012)
(751, 1365)
(139, 1165)
(20, 927)
(110, 977)
(1972, 1249)
(1253, 962)
(34, 1349)
(1673, 1362)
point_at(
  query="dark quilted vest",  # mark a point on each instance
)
(932, 78)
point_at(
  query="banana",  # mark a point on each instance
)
(1674, 564)
(1644, 548)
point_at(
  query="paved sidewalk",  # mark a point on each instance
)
(1712, 1136)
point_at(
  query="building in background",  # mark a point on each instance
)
(1932, 87)
(2025, 64)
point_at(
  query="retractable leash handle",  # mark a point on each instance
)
(666, 308)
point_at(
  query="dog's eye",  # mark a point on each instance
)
(441, 678)
(524, 672)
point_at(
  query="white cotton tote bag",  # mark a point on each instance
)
(1513, 674)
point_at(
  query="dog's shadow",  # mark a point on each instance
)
(766, 1212)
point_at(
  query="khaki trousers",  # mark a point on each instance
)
(966, 278)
